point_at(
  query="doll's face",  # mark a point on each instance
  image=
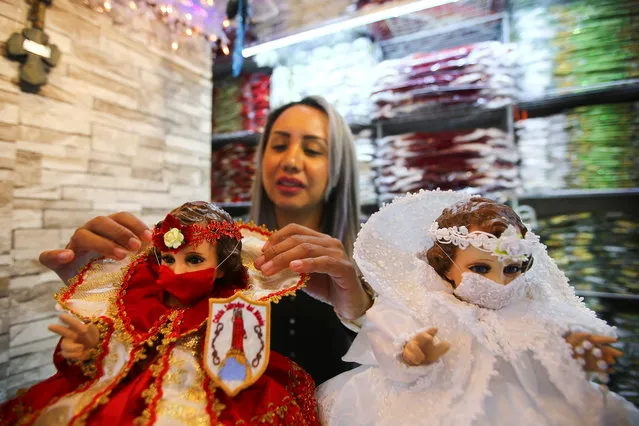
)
(482, 263)
(193, 258)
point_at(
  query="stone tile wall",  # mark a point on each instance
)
(123, 124)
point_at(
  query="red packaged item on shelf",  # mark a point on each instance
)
(255, 95)
(232, 173)
(480, 160)
(479, 75)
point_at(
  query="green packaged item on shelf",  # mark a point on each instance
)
(594, 303)
(615, 24)
(227, 93)
(579, 66)
(622, 38)
(574, 81)
(569, 218)
(607, 124)
(592, 42)
(604, 260)
(623, 54)
(580, 12)
(603, 134)
(626, 379)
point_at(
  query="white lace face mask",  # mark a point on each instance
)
(484, 292)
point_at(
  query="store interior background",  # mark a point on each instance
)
(535, 103)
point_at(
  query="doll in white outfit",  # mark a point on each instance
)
(474, 324)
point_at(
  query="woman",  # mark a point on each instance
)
(306, 186)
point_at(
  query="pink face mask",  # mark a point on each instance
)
(188, 287)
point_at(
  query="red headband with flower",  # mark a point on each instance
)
(172, 236)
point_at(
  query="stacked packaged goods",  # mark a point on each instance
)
(594, 147)
(604, 145)
(339, 72)
(475, 76)
(290, 16)
(543, 148)
(232, 173)
(576, 44)
(227, 111)
(241, 104)
(255, 101)
(597, 42)
(365, 148)
(482, 161)
(534, 28)
(598, 252)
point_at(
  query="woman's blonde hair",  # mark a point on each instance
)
(340, 217)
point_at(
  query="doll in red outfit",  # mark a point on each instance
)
(135, 347)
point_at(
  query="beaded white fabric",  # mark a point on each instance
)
(505, 366)
(509, 245)
(478, 290)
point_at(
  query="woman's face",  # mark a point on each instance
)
(482, 263)
(192, 258)
(295, 160)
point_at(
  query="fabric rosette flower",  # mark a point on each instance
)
(173, 238)
(512, 245)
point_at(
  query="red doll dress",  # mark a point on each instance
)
(148, 368)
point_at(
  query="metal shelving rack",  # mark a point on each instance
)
(407, 35)
(579, 200)
(604, 295)
(218, 140)
(406, 39)
(482, 25)
(546, 203)
(557, 100)
(567, 201)
(241, 208)
(245, 137)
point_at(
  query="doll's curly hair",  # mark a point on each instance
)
(480, 214)
(203, 212)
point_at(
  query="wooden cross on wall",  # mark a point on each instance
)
(32, 49)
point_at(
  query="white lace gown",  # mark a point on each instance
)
(507, 367)
(469, 386)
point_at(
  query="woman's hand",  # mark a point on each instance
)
(333, 274)
(593, 352)
(77, 339)
(422, 349)
(112, 236)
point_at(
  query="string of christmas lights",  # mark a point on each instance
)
(183, 18)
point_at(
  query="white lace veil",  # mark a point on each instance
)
(386, 252)
(387, 246)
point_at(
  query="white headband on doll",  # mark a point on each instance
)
(510, 245)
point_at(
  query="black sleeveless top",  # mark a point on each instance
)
(309, 332)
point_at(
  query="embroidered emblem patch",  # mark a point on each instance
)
(237, 346)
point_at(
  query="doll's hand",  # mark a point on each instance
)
(77, 339)
(593, 352)
(422, 350)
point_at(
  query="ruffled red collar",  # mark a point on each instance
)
(140, 304)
